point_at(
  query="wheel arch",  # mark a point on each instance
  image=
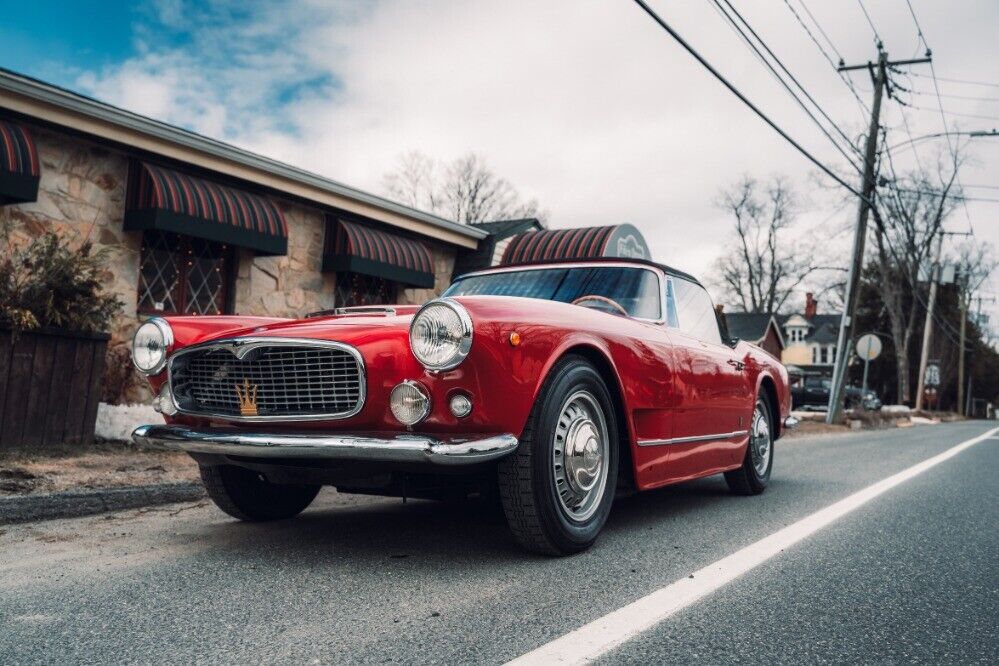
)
(768, 387)
(602, 361)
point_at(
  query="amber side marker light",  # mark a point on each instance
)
(514, 339)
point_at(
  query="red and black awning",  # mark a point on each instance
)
(621, 240)
(19, 171)
(168, 200)
(354, 247)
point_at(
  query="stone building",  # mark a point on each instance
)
(195, 226)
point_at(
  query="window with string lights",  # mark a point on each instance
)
(356, 289)
(184, 275)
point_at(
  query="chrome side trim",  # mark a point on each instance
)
(696, 438)
(240, 347)
(375, 447)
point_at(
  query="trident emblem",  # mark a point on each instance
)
(247, 398)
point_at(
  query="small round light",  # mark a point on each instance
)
(150, 344)
(461, 405)
(441, 334)
(164, 403)
(409, 402)
(514, 339)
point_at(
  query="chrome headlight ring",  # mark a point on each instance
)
(440, 335)
(153, 338)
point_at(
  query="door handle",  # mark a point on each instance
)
(738, 365)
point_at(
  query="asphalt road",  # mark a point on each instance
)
(912, 576)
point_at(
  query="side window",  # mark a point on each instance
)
(671, 305)
(695, 312)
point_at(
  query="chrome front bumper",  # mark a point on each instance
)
(401, 448)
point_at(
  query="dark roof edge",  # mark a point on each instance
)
(73, 101)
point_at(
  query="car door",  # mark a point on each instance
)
(713, 395)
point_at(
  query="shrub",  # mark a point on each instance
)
(49, 282)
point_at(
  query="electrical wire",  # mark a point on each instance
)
(735, 26)
(944, 114)
(735, 91)
(961, 81)
(870, 23)
(865, 111)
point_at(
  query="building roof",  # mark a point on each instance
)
(43, 101)
(504, 228)
(825, 334)
(750, 326)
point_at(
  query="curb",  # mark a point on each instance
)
(73, 504)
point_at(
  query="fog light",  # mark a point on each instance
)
(163, 403)
(410, 402)
(461, 405)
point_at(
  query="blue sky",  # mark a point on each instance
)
(56, 40)
(583, 105)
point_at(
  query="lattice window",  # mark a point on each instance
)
(356, 289)
(183, 275)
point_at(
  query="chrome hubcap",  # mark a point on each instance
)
(579, 456)
(760, 443)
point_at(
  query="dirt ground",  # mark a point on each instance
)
(99, 466)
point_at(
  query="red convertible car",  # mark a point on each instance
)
(555, 385)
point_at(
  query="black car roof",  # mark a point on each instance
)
(669, 270)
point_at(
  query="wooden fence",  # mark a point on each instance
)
(50, 384)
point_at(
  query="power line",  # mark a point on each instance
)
(870, 22)
(735, 91)
(968, 97)
(955, 197)
(952, 113)
(962, 81)
(863, 107)
(776, 75)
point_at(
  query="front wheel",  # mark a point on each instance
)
(754, 475)
(558, 486)
(247, 495)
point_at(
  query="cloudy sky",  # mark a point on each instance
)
(587, 106)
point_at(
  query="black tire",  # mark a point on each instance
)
(247, 495)
(538, 518)
(748, 480)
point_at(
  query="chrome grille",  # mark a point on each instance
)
(291, 379)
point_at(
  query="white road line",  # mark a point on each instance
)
(605, 633)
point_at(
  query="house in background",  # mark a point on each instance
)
(810, 339)
(491, 248)
(762, 330)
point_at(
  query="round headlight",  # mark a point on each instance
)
(149, 346)
(441, 334)
(410, 403)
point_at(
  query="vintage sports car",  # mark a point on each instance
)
(553, 385)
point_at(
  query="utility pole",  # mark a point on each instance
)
(844, 343)
(963, 299)
(924, 353)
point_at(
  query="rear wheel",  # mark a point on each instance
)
(247, 495)
(754, 475)
(558, 486)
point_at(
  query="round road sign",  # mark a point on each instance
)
(868, 347)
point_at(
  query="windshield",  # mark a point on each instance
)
(634, 289)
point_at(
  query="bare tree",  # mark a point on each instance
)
(464, 190)
(763, 265)
(908, 219)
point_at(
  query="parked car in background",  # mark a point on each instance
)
(556, 384)
(813, 392)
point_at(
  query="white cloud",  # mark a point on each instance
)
(587, 106)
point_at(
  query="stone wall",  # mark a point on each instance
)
(292, 285)
(81, 194)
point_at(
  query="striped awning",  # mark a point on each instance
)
(354, 247)
(621, 240)
(168, 200)
(19, 171)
